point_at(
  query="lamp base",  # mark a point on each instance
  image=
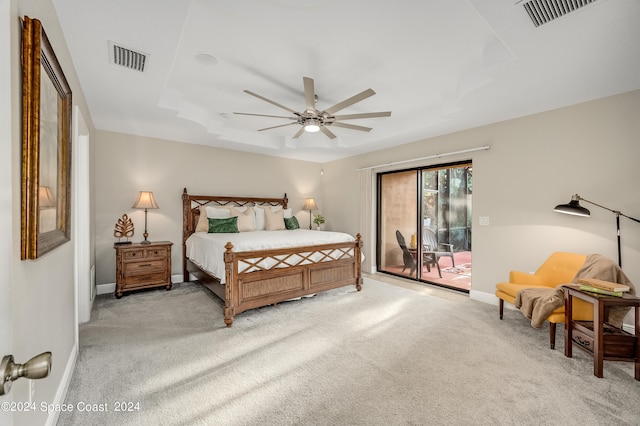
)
(145, 234)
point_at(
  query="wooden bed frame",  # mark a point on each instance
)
(262, 287)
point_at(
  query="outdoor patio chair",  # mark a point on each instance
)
(431, 245)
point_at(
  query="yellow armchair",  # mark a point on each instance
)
(559, 268)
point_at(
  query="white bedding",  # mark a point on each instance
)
(207, 250)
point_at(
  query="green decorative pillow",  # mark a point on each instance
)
(226, 225)
(291, 222)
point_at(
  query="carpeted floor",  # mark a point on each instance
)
(383, 356)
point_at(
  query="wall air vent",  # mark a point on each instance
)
(543, 11)
(128, 58)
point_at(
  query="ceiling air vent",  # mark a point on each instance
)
(126, 57)
(543, 11)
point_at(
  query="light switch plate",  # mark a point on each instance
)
(484, 220)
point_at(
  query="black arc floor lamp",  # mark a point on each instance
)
(574, 208)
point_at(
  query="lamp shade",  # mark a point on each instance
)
(573, 207)
(45, 197)
(310, 204)
(145, 201)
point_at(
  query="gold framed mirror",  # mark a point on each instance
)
(46, 145)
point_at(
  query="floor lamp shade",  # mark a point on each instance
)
(574, 208)
(310, 204)
(145, 201)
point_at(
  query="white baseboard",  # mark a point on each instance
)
(63, 388)
(489, 298)
(106, 288)
(111, 287)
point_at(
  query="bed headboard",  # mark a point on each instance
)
(191, 207)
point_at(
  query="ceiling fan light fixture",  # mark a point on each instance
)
(312, 126)
(313, 120)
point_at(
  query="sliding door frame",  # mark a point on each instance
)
(420, 212)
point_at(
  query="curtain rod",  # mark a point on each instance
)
(446, 154)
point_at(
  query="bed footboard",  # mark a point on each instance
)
(259, 278)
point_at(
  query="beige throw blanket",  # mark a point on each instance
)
(538, 303)
(603, 268)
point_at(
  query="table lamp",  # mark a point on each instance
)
(310, 204)
(145, 201)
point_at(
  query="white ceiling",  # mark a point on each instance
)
(439, 65)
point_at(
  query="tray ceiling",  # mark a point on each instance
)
(440, 66)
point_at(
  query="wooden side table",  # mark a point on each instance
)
(602, 340)
(143, 266)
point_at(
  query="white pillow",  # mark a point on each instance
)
(259, 213)
(274, 221)
(218, 212)
(246, 219)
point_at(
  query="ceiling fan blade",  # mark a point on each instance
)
(351, 126)
(299, 133)
(327, 132)
(271, 102)
(265, 115)
(363, 115)
(275, 127)
(352, 100)
(309, 94)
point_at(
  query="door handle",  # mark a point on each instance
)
(37, 367)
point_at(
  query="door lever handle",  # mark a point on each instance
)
(37, 367)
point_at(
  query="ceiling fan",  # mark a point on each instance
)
(314, 120)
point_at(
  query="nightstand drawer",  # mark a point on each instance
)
(146, 279)
(144, 267)
(583, 340)
(156, 253)
(133, 254)
(617, 342)
(150, 253)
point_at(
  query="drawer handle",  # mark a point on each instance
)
(144, 265)
(582, 342)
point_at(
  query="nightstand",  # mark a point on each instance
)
(602, 340)
(143, 266)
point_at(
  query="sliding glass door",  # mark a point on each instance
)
(424, 224)
(397, 236)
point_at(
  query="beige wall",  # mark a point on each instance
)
(534, 163)
(42, 290)
(127, 164)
